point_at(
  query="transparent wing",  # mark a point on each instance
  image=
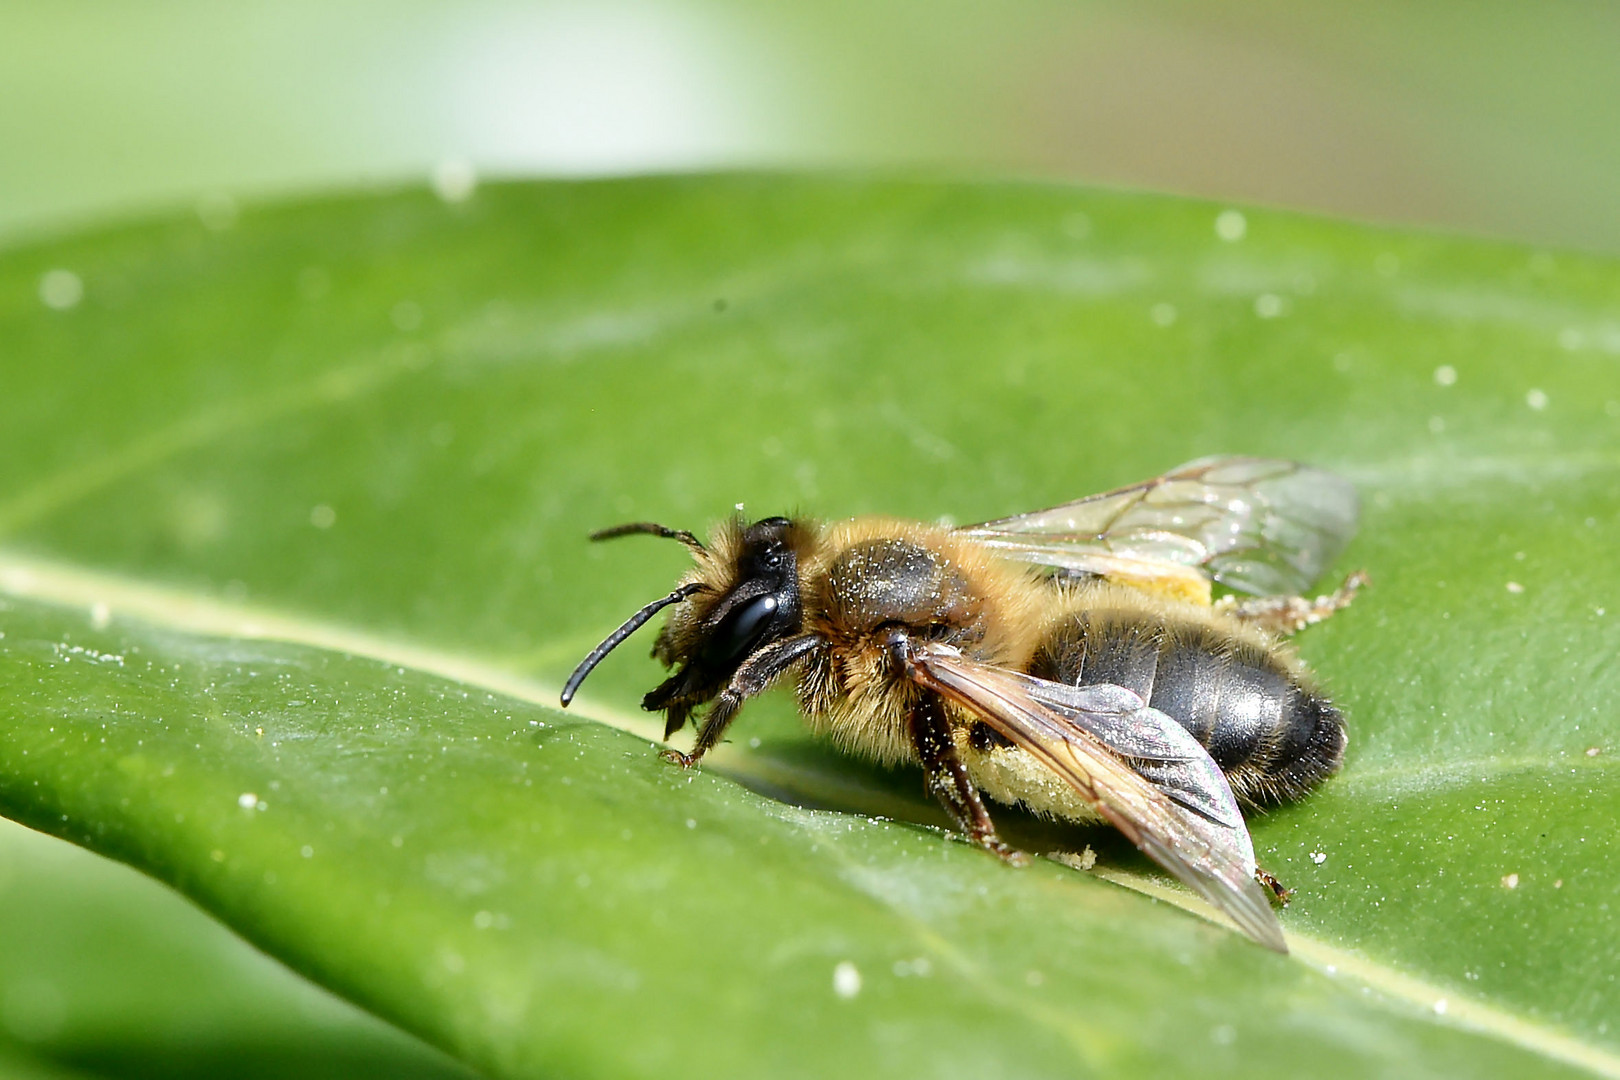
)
(1264, 527)
(1171, 800)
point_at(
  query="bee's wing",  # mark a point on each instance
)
(1172, 801)
(1260, 526)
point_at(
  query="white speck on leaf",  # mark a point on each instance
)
(1231, 225)
(921, 967)
(60, 290)
(454, 180)
(846, 979)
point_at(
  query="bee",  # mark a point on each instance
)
(1071, 660)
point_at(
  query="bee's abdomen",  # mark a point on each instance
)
(1274, 736)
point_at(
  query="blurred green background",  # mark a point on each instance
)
(1490, 117)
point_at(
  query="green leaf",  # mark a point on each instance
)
(292, 520)
(104, 970)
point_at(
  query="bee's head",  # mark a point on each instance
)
(742, 595)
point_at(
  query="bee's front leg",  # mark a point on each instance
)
(751, 678)
(948, 779)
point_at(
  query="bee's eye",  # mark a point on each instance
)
(742, 628)
(767, 558)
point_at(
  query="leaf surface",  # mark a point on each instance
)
(292, 521)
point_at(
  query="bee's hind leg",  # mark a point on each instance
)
(1283, 615)
(948, 779)
(1280, 894)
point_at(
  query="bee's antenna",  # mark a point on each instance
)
(631, 625)
(653, 527)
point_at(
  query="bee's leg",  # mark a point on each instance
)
(756, 673)
(948, 780)
(1280, 893)
(1289, 614)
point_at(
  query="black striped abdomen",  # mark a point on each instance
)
(1273, 735)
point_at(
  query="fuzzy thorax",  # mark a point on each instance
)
(873, 574)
